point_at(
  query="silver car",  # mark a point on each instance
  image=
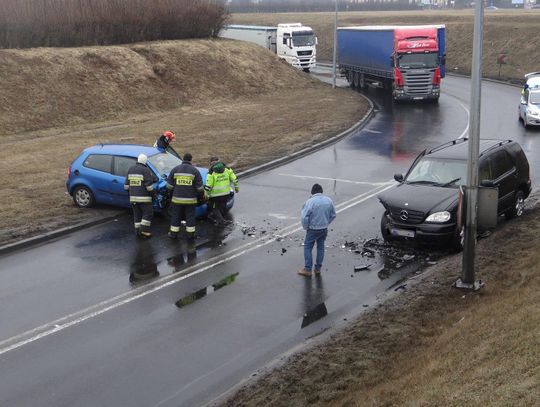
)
(529, 108)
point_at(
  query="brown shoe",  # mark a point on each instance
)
(304, 272)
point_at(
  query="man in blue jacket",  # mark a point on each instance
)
(317, 213)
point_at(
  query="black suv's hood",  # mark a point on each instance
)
(421, 198)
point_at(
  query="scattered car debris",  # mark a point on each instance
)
(408, 257)
(362, 267)
(283, 250)
(401, 287)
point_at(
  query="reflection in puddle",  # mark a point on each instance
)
(143, 267)
(186, 256)
(197, 295)
(191, 298)
(313, 301)
(314, 314)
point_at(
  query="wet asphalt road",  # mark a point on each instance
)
(99, 318)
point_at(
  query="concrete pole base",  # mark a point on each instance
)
(477, 285)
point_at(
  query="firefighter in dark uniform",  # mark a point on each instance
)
(163, 143)
(185, 182)
(140, 182)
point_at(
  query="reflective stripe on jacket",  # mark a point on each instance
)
(140, 183)
(186, 183)
(219, 183)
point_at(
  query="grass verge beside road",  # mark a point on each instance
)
(247, 113)
(431, 345)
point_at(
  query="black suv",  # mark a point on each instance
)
(424, 206)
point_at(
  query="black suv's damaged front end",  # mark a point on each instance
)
(426, 214)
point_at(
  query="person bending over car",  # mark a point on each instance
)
(140, 182)
(163, 143)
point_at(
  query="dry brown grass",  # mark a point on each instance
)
(52, 87)
(512, 31)
(209, 93)
(432, 345)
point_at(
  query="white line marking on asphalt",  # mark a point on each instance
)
(375, 184)
(372, 131)
(282, 216)
(125, 298)
(464, 134)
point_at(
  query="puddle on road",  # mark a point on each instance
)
(314, 314)
(143, 266)
(203, 292)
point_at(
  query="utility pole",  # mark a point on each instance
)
(335, 49)
(471, 191)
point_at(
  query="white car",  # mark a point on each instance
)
(533, 80)
(529, 108)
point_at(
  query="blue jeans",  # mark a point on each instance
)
(312, 236)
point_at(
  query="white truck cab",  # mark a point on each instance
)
(293, 42)
(297, 45)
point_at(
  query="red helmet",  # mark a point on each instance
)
(169, 135)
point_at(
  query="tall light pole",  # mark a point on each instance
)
(471, 194)
(335, 49)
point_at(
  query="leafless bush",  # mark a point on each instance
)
(279, 6)
(65, 23)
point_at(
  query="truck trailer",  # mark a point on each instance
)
(294, 42)
(407, 60)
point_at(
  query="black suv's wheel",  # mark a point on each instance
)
(519, 205)
(385, 231)
(83, 197)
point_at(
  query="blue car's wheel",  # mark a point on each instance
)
(83, 197)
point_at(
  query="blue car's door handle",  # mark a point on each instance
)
(115, 181)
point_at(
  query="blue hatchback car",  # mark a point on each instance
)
(98, 174)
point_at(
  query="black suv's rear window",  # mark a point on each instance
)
(500, 163)
(100, 162)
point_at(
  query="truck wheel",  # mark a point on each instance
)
(350, 79)
(356, 80)
(362, 82)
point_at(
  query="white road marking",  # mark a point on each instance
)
(375, 184)
(372, 131)
(76, 318)
(282, 216)
(464, 134)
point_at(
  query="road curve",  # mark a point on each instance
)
(99, 318)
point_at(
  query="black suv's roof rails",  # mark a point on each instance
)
(450, 143)
(500, 143)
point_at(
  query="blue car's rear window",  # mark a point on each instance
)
(100, 162)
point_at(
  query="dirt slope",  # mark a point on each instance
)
(52, 87)
(512, 31)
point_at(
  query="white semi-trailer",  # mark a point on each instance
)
(294, 42)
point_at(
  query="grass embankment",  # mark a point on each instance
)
(511, 31)
(432, 345)
(229, 98)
